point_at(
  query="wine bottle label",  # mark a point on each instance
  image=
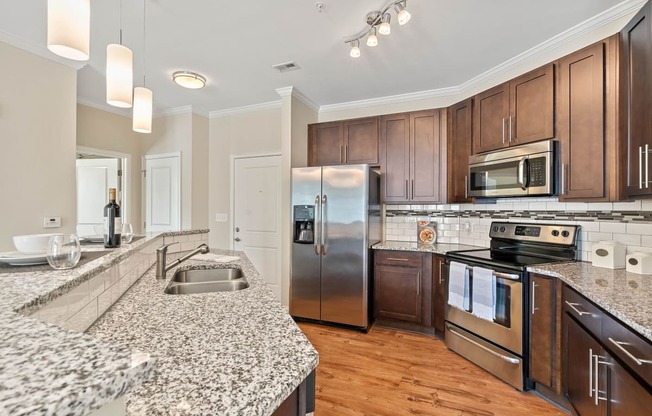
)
(117, 227)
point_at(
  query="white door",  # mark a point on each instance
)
(162, 193)
(256, 215)
(94, 178)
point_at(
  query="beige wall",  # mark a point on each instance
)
(302, 115)
(199, 171)
(257, 132)
(37, 142)
(103, 130)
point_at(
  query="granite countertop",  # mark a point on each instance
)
(228, 353)
(627, 296)
(427, 248)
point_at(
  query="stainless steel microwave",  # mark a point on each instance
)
(526, 170)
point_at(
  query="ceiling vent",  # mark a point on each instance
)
(286, 66)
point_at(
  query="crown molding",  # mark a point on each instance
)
(124, 112)
(307, 101)
(185, 109)
(285, 91)
(245, 109)
(38, 49)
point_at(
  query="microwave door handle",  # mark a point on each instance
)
(522, 176)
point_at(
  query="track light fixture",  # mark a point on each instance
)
(379, 22)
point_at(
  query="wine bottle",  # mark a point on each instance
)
(112, 222)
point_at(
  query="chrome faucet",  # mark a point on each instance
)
(161, 258)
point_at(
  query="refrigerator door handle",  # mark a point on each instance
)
(317, 231)
(322, 230)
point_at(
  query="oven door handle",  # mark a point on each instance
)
(477, 344)
(522, 174)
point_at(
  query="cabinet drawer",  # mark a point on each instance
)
(582, 310)
(399, 258)
(634, 351)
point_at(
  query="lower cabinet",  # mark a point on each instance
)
(601, 372)
(402, 287)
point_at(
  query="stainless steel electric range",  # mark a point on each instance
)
(499, 344)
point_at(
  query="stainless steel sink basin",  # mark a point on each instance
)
(206, 275)
(206, 287)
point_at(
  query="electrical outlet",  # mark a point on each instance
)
(52, 222)
(221, 217)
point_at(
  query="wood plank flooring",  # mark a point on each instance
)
(392, 373)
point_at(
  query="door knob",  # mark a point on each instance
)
(237, 229)
(237, 239)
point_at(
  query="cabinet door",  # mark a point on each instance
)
(325, 144)
(425, 156)
(460, 136)
(395, 154)
(542, 329)
(398, 293)
(490, 116)
(532, 106)
(579, 378)
(635, 100)
(439, 297)
(625, 396)
(581, 118)
(361, 141)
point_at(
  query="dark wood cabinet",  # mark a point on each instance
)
(413, 164)
(460, 140)
(402, 286)
(625, 396)
(587, 123)
(343, 142)
(516, 112)
(439, 297)
(636, 101)
(545, 332)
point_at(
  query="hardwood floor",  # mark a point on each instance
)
(392, 373)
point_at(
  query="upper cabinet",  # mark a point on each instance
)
(635, 101)
(343, 142)
(587, 123)
(413, 157)
(460, 137)
(516, 112)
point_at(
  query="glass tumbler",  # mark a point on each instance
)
(64, 251)
(127, 233)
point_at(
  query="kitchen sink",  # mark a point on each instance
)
(206, 287)
(206, 275)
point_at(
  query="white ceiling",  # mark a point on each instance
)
(235, 43)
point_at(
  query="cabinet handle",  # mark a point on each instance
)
(534, 291)
(573, 307)
(619, 345)
(595, 373)
(510, 128)
(407, 193)
(563, 179)
(412, 189)
(590, 372)
(396, 259)
(647, 169)
(503, 130)
(441, 263)
(466, 187)
(418, 283)
(346, 153)
(640, 167)
(340, 153)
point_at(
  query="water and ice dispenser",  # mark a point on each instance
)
(304, 224)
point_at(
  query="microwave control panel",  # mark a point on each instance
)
(538, 169)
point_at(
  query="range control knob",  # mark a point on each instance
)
(502, 229)
(565, 233)
(555, 233)
(495, 228)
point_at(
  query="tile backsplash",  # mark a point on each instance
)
(627, 222)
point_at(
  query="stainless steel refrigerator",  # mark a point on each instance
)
(336, 219)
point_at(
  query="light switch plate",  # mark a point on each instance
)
(221, 217)
(52, 222)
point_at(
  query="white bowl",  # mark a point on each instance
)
(32, 243)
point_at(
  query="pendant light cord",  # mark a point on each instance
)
(120, 22)
(144, 40)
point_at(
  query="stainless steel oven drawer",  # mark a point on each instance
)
(501, 363)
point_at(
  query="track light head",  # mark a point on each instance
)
(355, 49)
(372, 39)
(385, 28)
(402, 15)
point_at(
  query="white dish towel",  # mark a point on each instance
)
(458, 286)
(484, 293)
(218, 258)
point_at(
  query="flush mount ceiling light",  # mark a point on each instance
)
(69, 27)
(379, 22)
(119, 73)
(189, 79)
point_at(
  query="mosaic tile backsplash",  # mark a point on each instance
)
(627, 222)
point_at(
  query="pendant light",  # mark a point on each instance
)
(119, 73)
(69, 28)
(143, 97)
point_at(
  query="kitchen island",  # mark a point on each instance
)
(48, 366)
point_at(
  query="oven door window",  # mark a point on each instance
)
(496, 176)
(503, 304)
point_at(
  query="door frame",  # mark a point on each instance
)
(144, 185)
(232, 191)
(126, 176)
